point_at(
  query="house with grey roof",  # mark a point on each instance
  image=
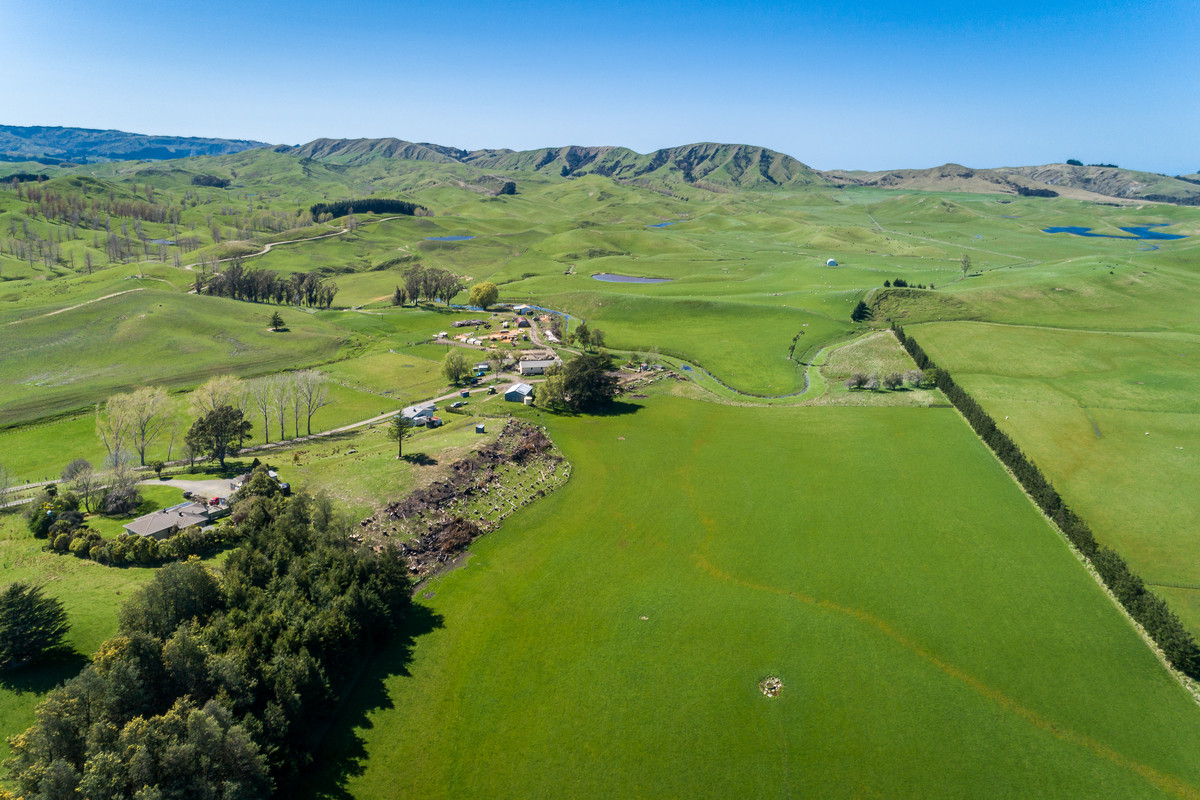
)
(168, 521)
(536, 366)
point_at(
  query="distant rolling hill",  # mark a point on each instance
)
(706, 165)
(54, 145)
(1084, 183)
(1113, 182)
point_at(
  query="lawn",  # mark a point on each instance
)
(932, 633)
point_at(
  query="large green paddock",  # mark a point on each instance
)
(935, 637)
(1113, 420)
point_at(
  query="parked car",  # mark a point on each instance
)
(457, 404)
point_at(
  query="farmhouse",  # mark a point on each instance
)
(518, 392)
(420, 410)
(536, 366)
(166, 522)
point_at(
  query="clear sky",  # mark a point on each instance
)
(866, 85)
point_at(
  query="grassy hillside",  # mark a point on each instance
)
(85, 145)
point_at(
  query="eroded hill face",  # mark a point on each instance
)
(1112, 182)
(705, 165)
(1082, 183)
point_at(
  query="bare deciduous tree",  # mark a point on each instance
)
(113, 423)
(282, 399)
(85, 482)
(150, 411)
(223, 390)
(313, 392)
(121, 496)
(262, 398)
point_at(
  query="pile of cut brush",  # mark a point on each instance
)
(440, 520)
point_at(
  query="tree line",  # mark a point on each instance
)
(263, 286)
(1150, 611)
(131, 423)
(208, 690)
(375, 205)
(427, 283)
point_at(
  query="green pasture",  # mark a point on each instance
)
(932, 633)
(358, 389)
(1112, 419)
(360, 470)
(79, 357)
(91, 593)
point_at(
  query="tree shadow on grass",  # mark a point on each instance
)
(42, 676)
(342, 753)
(420, 459)
(617, 408)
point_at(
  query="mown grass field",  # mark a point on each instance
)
(934, 636)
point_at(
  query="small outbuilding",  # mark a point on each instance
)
(480, 428)
(522, 309)
(831, 263)
(518, 392)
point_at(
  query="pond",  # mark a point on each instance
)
(609, 277)
(449, 238)
(162, 241)
(660, 225)
(1136, 232)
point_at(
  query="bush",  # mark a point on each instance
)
(375, 205)
(120, 502)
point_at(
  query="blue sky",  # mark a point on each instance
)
(865, 85)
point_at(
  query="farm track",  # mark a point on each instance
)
(77, 305)
(882, 229)
(269, 245)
